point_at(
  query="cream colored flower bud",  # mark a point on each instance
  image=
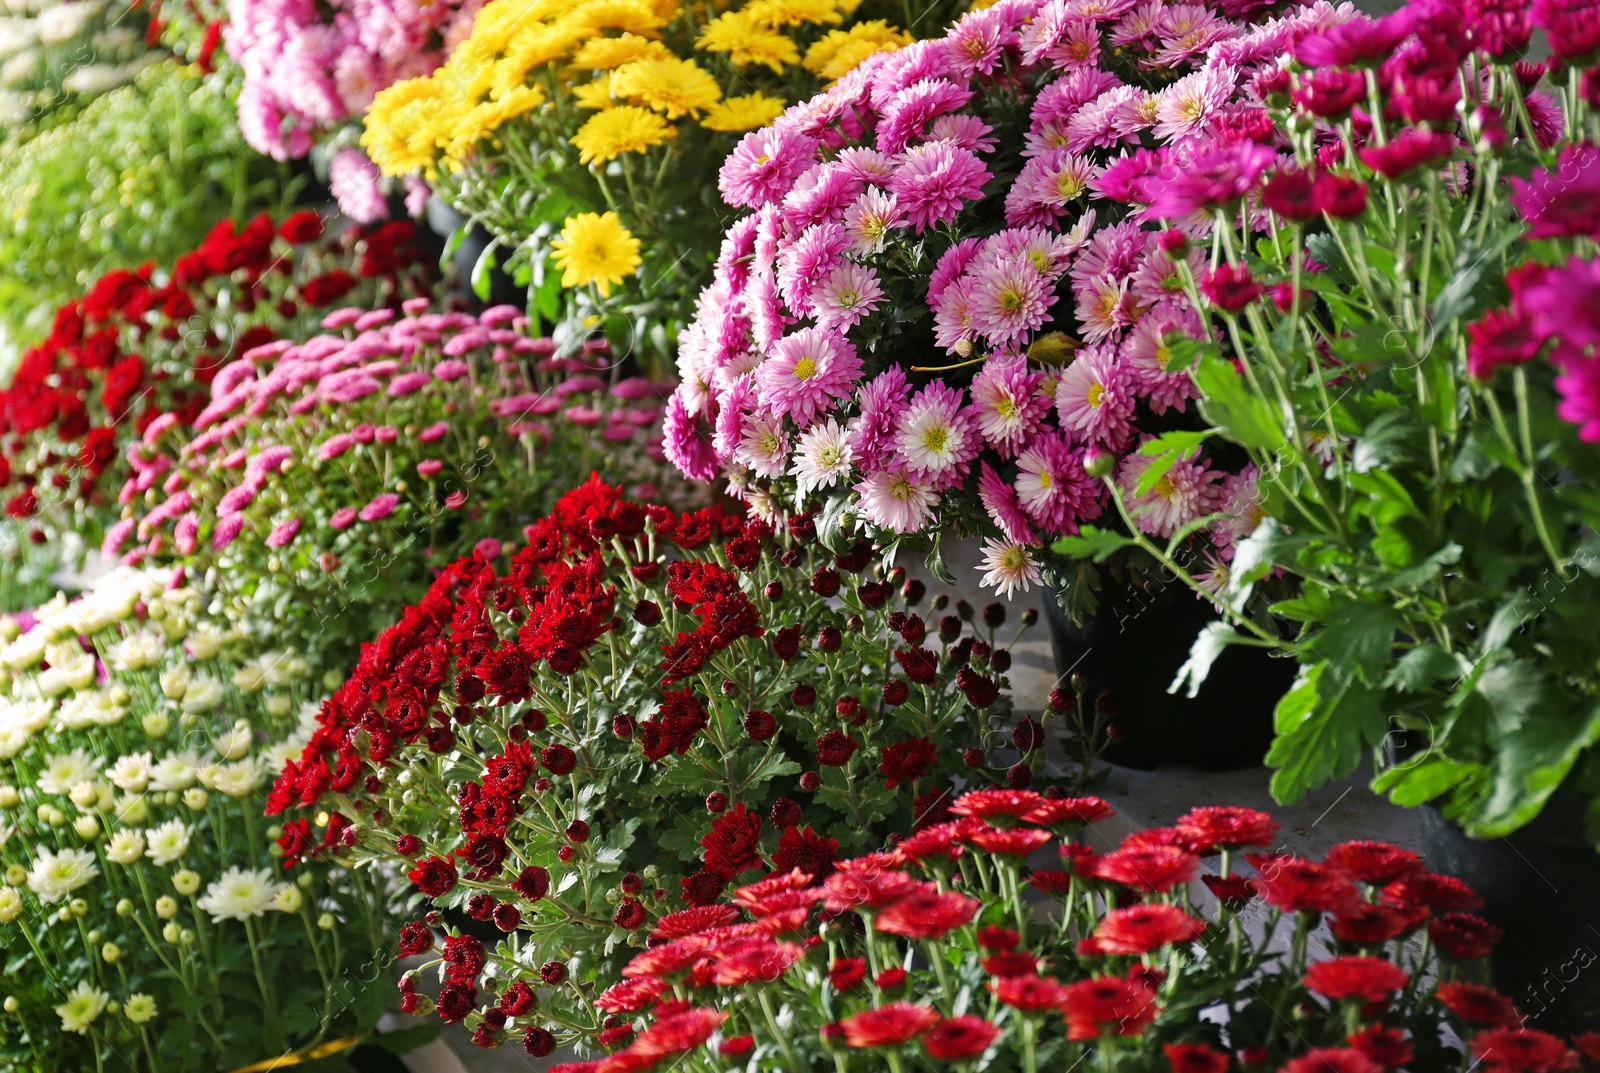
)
(188, 937)
(202, 695)
(84, 795)
(79, 907)
(331, 681)
(326, 922)
(11, 1004)
(172, 933)
(235, 743)
(88, 828)
(175, 681)
(288, 899)
(250, 677)
(10, 904)
(196, 798)
(110, 953)
(16, 875)
(9, 797)
(279, 706)
(166, 907)
(156, 724)
(54, 816)
(125, 907)
(119, 695)
(306, 879)
(185, 882)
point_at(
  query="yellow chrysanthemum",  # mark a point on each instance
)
(676, 87)
(399, 135)
(839, 51)
(747, 43)
(608, 53)
(775, 13)
(630, 15)
(473, 126)
(743, 113)
(626, 129)
(595, 249)
(595, 95)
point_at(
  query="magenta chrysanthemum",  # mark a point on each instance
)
(935, 180)
(806, 373)
(1094, 398)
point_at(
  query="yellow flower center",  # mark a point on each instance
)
(1096, 393)
(805, 368)
(1164, 487)
(936, 438)
(1044, 479)
(1011, 299)
(1005, 407)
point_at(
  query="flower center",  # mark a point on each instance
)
(1044, 480)
(1004, 407)
(1011, 299)
(805, 368)
(1096, 394)
(936, 438)
(1013, 559)
(1164, 487)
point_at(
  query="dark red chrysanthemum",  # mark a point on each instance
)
(1367, 979)
(434, 876)
(1139, 929)
(1331, 1060)
(691, 921)
(955, 1039)
(415, 938)
(991, 805)
(1388, 1047)
(835, 748)
(1028, 992)
(1442, 894)
(1055, 811)
(733, 843)
(1522, 1050)
(805, 850)
(1194, 1058)
(893, 1025)
(1463, 936)
(905, 761)
(1296, 885)
(678, 1033)
(1148, 868)
(1478, 1005)
(1012, 842)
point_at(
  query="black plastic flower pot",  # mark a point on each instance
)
(1537, 884)
(1129, 652)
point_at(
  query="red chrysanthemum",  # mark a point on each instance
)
(1216, 827)
(835, 748)
(1331, 1060)
(956, 1039)
(1091, 1006)
(692, 921)
(1148, 868)
(1442, 894)
(905, 761)
(1373, 923)
(806, 851)
(1522, 1050)
(997, 804)
(1354, 977)
(1388, 1047)
(893, 1025)
(630, 996)
(1374, 862)
(1296, 885)
(1194, 1058)
(1463, 936)
(1011, 842)
(1139, 929)
(927, 913)
(1478, 1005)
(679, 1033)
(1059, 810)
(1028, 992)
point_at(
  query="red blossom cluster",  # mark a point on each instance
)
(136, 347)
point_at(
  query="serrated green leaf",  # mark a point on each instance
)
(1358, 638)
(1419, 668)
(1324, 723)
(1228, 403)
(1092, 543)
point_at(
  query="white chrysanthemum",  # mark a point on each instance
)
(205, 641)
(283, 668)
(239, 894)
(132, 809)
(287, 898)
(250, 677)
(84, 1003)
(203, 694)
(19, 721)
(70, 668)
(175, 771)
(236, 780)
(26, 651)
(823, 457)
(10, 904)
(125, 847)
(139, 1008)
(168, 842)
(280, 753)
(137, 651)
(56, 875)
(131, 772)
(90, 708)
(65, 770)
(764, 447)
(235, 743)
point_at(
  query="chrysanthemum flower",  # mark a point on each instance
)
(1094, 400)
(806, 372)
(595, 248)
(822, 457)
(847, 294)
(1010, 299)
(624, 129)
(1008, 567)
(764, 165)
(1006, 403)
(1186, 491)
(936, 439)
(238, 894)
(935, 180)
(896, 500)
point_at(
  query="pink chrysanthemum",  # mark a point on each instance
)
(1008, 567)
(1184, 493)
(1240, 500)
(935, 180)
(1053, 488)
(849, 292)
(909, 111)
(967, 131)
(806, 373)
(1094, 398)
(1000, 500)
(807, 262)
(687, 443)
(882, 402)
(763, 166)
(952, 317)
(763, 446)
(820, 195)
(1144, 357)
(974, 44)
(1102, 123)
(896, 500)
(1188, 104)
(1006, 404)
(869, 220)
(951, 265)
(1010, 299)
(936, 440)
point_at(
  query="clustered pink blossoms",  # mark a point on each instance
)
(876, 208)
(440, 408)
(309, 67)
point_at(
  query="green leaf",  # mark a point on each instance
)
(1167, 450)
(1185, 350)
(1323, 725)
(1358, 638)
(1423, 779)
(1529, 765)
(1092, 543)
(936, 564)
(1421, 667)
(1228, 403)
(1383, 442)
(482, 271)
